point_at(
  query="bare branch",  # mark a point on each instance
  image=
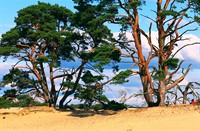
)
(187, 31)
(74, 72)
(149, 18)
(169, 86)
(166, 4)
(23, 45)
(171, 74)
(196, 43)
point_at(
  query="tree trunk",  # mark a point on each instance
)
(185, 93)
(161, 93)
(148, 93)
(53, 88)
(149, 97)
(61, 103)
(46, 93)
(68, 93)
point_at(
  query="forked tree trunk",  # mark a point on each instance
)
(61, 103)
(147, 92)
(68, 93)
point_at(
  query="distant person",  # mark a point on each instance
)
(193, 102)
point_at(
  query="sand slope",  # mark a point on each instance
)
(176, 118)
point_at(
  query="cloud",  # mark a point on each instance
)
(5, 66)
(190, 52)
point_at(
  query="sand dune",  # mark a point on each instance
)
(175, 118)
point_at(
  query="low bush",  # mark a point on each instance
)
(111, 105)
(23, 101)
(115, 106)
(6, 103)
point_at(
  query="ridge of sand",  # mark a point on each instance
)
(174, 118)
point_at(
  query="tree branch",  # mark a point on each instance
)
(171, 74)
(196, 43)
(169, 86)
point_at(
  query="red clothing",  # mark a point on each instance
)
(193, 103)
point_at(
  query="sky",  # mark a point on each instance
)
(191, 55)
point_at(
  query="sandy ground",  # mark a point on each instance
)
(175, 118)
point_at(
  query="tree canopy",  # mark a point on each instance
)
(170, 29)
(47, 39)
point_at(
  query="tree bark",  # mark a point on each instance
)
(161, 93)
(148, 93)
(68, 93)
(53, 97)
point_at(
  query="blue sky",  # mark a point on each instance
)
(9, 8)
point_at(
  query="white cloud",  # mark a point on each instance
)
(193, 51)
(190, 52)
(133, 87)
(5, 66)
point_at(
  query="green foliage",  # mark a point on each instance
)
(121, 77)
(104, 54)
(11, 76)
(42, 59)
(7, 50)
(77, 106)
(180, 1)
(197, 19)
(115, 55)
(158, 75)
(136, 3)
(6, 103)
(91, 91)
(10, 93)
(91, 18)
(169, 12)
(18, 78)
(68, 84)
(89, 95)
(113, 105)
(40, 32)
(172, 63)
(89, 78)
(52, 59)
(23, 101)
(40, 23)
(10, 38)
(196, 6)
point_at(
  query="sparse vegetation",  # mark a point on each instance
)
(22, 101)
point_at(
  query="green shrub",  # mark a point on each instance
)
(23, 101)
(97, 107)
(77, 106)
(115, 106)
(6, 103)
